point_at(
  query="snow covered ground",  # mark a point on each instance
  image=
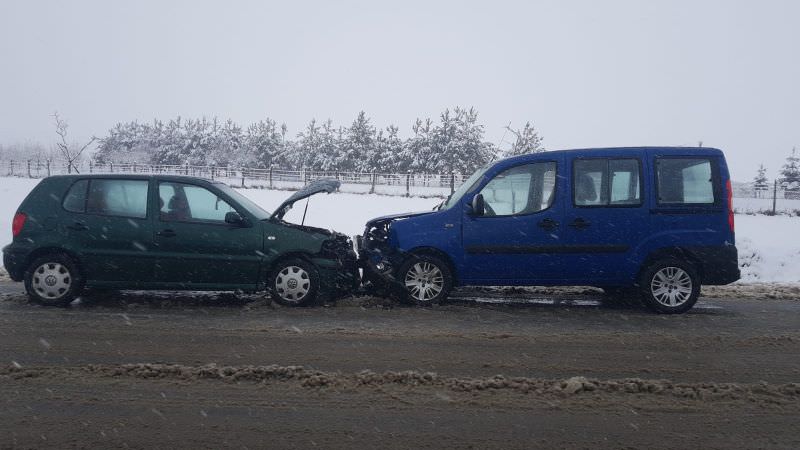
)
(769, 250)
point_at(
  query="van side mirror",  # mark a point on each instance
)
(234, 218)
(478, 206)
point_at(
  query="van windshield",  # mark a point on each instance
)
(465, 187)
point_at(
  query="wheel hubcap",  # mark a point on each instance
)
(51, 280)
(671, 286)
(292, 284)
(424, 281)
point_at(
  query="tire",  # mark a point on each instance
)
(670, 286)
(53, 280)
(425, 280)
(294, 282)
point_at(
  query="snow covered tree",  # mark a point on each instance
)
(760, 182)
(307, 148)
(418, 149)
(791, 171)
(527, 140)
(358, 146)
(264, 144)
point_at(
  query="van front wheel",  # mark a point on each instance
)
(670, 286)
(426, 280)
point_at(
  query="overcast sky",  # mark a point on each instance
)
(585, 73)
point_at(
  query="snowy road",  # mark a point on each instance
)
(133, 369)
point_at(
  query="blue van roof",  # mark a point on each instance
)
(688, 151)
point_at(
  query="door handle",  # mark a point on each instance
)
(166, 233)
(580, 224)
(548, 224)
(78, 226)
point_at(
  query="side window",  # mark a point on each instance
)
(125, 198)
(186, 202)
(524, 189)
(685, 181)
(75, 201)
(606, 182)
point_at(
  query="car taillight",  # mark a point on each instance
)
(18, 223)
(730, 205)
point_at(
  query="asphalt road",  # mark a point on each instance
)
(498, 369)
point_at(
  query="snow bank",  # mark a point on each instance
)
(769, 249)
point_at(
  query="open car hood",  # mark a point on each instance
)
(327, 185)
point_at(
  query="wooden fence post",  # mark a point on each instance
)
(774, 196)
(408, 184)
(452, 182)
(270, 176)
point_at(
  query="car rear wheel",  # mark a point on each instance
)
(294, 282)
(426, 280)
(670, 286)
(53, 280)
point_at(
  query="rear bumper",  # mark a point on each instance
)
(720, 265)
(14, 262)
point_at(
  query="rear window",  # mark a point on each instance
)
(75, 200)
(125, 198)
(685, 181)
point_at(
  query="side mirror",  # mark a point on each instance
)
(234, 218)
(478, 206)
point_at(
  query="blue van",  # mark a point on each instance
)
(655, 222)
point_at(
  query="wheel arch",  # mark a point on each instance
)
(53, 250)
(433, 251)
(671, 253)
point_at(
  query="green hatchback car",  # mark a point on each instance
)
(170, 233)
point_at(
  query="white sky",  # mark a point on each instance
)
(585, 73)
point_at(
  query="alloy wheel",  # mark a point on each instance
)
(671, 286)
(424, 281)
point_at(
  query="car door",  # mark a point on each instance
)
(106, 221)
(515, 241)
(606, 218)
(196, 246)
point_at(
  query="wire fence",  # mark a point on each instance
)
(403, 184)
(774, 200)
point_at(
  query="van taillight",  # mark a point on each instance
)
(18, 223)
(730, 205)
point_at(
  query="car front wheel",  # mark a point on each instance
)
(670, 286)
(294, 282)
(53, 280)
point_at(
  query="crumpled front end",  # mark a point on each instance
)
(338, 265)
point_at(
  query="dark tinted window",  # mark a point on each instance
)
(606, 182)
(126, 198)
(75, 201)
(684, 181)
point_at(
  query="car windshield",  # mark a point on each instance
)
(465, 187)
(253, 208)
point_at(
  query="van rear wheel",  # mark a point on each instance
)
(670, 286)
(53, 280)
